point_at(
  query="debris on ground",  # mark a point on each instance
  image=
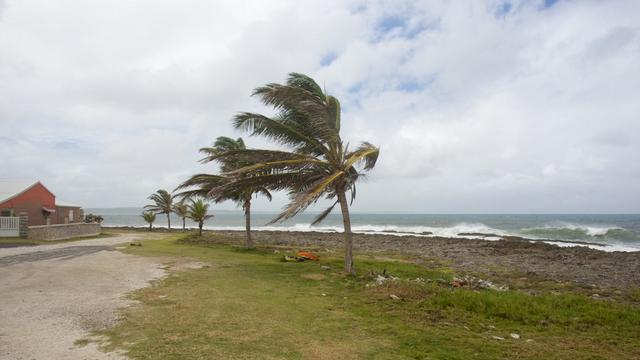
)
(381, 278)
(497, 337)
(300, 257)
(394, 297)
(475, 283)
(325, 267)
(515, 336)
(308, 256)
(135, 243)
(287, 258)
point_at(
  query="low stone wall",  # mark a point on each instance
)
(62, 231)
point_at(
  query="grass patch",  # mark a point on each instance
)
(81, 342)
(249, 305)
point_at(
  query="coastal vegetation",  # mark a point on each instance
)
(210, 186)
(149, 217)
(182, 210)
(162, 204)
(311, 310)
(316, 163)
(198, 212)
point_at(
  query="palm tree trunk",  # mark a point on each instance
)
(184, 223)
(247, 223)
(200, 226)
(150, 224)
(169, 221)
(348, 236)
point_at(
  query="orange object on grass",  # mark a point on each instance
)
(307, 255)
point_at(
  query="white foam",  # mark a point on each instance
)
(590, 230)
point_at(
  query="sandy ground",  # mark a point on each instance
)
(53, 295)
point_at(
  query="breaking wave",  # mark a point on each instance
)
(452, 231)
(581, 232)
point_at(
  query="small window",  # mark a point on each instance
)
(70, 215)
(5, 213)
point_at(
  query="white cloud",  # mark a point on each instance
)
(477, 106)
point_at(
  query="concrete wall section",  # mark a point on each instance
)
(62, 231)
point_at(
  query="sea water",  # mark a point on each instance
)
(615, 232)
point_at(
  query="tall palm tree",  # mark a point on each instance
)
(198, 212)
(149, 217)
(162, 204)
(202, 184)
(318, 162)
(182, 210)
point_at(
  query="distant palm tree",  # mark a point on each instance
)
(198, 212)
(319, 163)
(205, 183)
(163, 204)
(182, 210)
(149, 217)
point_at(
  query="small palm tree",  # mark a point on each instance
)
(162, 204)
(149, 217)
(318, 164)
(182, 210)
(205, 183)
(198, 212)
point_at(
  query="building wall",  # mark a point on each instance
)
(62, 231)
(31, 202)
(67, 215)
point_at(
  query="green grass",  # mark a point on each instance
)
(17, 240)
(249, 305)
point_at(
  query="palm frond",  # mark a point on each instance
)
(323, 214)
(365, 153)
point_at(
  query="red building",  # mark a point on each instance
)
(38, 202)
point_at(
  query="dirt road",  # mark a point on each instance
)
(53, 295)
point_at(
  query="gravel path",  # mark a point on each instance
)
(53, 295)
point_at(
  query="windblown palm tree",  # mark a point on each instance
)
(149, 217)
(163, 204)
(201, 185)
(318, 164)
(182, 210)
(198, 212)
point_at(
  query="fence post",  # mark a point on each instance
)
(24, 224)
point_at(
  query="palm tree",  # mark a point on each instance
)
(198, 212)
(318, 162)
(182, 210)
(204, 183)
(150, 217)
(163, 204)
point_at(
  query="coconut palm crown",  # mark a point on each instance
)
(317, 163)
(201, 185)
(198, 212)
(149, 217)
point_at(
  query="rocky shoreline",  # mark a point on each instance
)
(518, 258)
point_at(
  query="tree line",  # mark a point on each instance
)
(315, 162)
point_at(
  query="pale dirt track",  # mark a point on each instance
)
(53, 295)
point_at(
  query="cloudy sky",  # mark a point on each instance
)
(478, 106)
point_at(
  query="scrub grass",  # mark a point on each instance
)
(250, 305)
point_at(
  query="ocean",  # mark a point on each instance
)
(605, 232)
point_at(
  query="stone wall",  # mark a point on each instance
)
(62, 231)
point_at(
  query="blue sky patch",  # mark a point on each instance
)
(328, 58)
(503, 9)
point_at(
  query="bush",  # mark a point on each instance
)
(91, 218)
